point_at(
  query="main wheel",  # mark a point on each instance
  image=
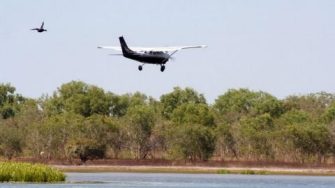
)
(140, 67)
(162, 68)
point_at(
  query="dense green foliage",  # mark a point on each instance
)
(26, 172)
(82, 121)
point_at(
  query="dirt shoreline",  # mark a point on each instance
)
(197, 169)
(181, 166)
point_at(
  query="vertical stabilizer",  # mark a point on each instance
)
(124, 46)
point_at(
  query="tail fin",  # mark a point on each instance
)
(124, 46)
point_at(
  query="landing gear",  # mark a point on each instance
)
(140, 67)
(162, 68)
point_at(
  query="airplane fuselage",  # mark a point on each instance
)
(143, 57)
(148, 57)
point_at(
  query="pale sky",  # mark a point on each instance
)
(284, 47)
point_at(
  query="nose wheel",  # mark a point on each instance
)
(162, 68)
(140, 67)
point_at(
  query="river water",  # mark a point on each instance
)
(165, 180)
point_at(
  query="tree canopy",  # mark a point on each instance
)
(84, 122)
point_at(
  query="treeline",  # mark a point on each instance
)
(82, 121)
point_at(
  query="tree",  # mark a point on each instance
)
(80, 98)
(29, 114)
(141, 121)
(237, 103)
(255, 136)
(115, 137)
(9, 101)
(329, 114)
(191, 142)
(192, 113)
(119, 105)
(295, 116)
(11, 141)
(50, 135)
(178, 97)
(282, 135)
(226, 144)
(311, 140)
(314, 103)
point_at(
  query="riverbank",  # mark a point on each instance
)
(198, 169)
(175, 166)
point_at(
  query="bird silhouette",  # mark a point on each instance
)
(40, 29)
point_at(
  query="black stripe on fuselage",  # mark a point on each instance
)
(157, 58)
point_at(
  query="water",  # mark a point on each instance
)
(148, 180)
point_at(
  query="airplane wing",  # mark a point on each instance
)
(165, 49)
(116, 48)
(188, 47)
(153, 49)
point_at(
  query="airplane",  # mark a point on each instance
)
(146, 55)
(40, 29)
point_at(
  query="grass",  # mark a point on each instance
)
(247, 172)
(282, 172)
(99, 169)
(194, 170)
(26, 172)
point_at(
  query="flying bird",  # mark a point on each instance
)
(40, 29)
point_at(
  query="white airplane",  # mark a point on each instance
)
(154, 55)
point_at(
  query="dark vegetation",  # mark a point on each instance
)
(81, 121)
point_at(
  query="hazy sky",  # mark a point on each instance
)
(282, 47)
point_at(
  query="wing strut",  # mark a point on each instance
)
(173, 53)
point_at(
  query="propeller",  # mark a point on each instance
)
(172, 58)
